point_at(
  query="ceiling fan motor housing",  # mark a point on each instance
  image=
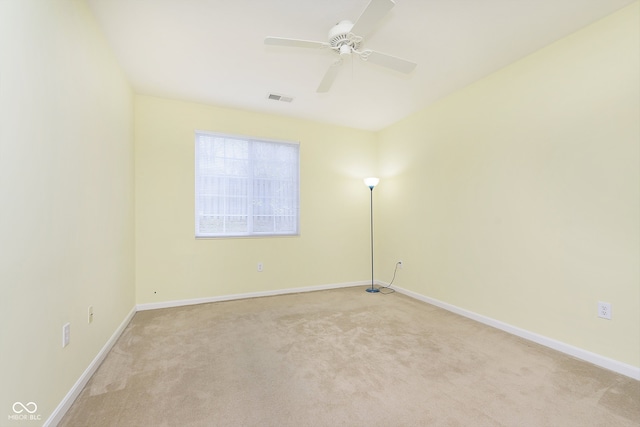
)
(339, 35)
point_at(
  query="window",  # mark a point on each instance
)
(246, 187)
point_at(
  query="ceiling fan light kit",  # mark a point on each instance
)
(345, 50)
(346, 38)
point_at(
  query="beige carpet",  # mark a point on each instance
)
(341, 357)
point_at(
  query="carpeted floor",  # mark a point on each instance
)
(341, 357)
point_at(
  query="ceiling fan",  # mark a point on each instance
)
(346, 38)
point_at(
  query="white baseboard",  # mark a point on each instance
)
(178, 303)
(596, 359)
(63, 407)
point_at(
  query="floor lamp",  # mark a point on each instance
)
(371, 183)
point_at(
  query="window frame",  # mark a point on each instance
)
(251, 179)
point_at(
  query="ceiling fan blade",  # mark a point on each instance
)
(280, 41)
(388, 61)
(375, 11)
(329, 77)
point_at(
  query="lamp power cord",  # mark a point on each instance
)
(388, 288)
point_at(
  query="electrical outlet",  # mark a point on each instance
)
(260, 267)
(90, 314)
(604, 310)
(400, 264)
(66, 334)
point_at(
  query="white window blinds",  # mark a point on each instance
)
(246, 187)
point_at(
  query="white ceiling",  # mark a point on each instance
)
(213, 52)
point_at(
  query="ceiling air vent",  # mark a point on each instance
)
(276, 97)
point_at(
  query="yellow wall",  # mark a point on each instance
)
(66, 188)
(172, 265)
(518, 197)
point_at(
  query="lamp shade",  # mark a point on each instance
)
(371, 182)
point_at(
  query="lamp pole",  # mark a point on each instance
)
(371, 183)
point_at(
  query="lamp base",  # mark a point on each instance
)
(372, 290)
